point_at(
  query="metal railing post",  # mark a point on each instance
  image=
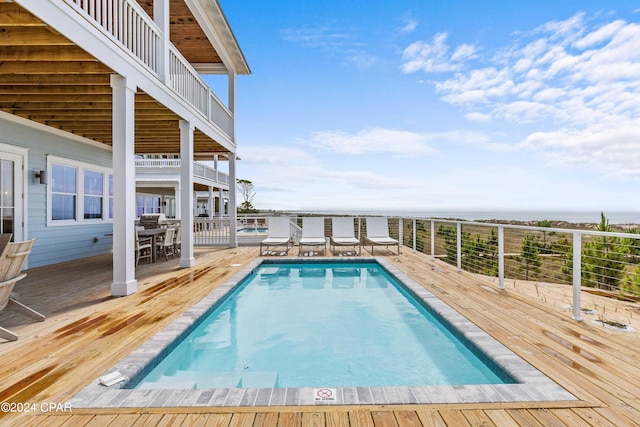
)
(459, 244)
(414, 234)
(577, 276)
(433, 239)
(501, 256)
(400, 232)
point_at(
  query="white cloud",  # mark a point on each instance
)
(434, 56)
(409, 26)
(343, 42)
(372, 141)
(576, 75)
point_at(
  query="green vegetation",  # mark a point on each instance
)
(529, 258)
(246, 190)
(608, 263)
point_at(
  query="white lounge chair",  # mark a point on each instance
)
(12, 260)
(313, 234)
(278, 234)
(378, 233)
(343, 234)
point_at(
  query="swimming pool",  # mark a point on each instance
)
(527, 383)
(319, 325)
(260, 230)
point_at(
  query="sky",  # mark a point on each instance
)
(425, 106)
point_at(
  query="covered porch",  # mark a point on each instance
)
(87, 86)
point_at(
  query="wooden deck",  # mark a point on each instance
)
(87, 331)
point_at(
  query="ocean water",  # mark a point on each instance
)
(614, 217)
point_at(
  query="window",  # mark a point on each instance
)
(93, 194)
(77, 192)
(63, 193)
(148, 203)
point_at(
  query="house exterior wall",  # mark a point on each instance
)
(59, 243)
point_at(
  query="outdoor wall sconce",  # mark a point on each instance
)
(42, 175)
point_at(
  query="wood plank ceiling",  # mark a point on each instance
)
(45, 78)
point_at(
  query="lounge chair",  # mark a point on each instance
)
(313, 234)
(342, 233)
(378, 233)
(12, 260)
(278, 234)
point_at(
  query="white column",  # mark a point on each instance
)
(221, 203)
(161, 18)
(186, 182)
(176, 192)
(212, 207)
(124, 189)
(233, 238)
(215, 166)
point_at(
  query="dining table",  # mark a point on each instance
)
(153, 233)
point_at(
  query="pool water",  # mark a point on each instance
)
(319, 325)
(252, 230)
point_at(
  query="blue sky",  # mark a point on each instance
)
(435, 105)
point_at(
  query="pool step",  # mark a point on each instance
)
(202, 380)
(259, 379)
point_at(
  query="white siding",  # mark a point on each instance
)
(60, 243)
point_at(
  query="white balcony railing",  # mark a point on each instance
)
(200, 170)
(129, 25)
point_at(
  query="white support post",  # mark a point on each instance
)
(233, 212)
(221, 203)
(501, 256)
(400, 233)
(414, 234)
(211, 204)
(124, 193)
(162, 19)
(459, 245)
(215, 167)
(577, 276)
(433, 239)
(187, 258)
(176, 191)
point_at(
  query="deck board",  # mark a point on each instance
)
(87, 331)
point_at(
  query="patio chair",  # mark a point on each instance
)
(177, 241)
(143, 248)
(342, 234)
(166, 245)
(4, 239)
(313, 234)
(278, 234)
(378, 233)
(12, 260)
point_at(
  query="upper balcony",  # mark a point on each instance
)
(58, 56)
(159, 169)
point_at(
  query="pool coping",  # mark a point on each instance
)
(532, 386)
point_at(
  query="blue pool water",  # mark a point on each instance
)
(252, 230)
(319, 325)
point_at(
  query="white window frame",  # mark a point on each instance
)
(80, 168)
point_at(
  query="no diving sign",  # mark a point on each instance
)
(324, 394)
